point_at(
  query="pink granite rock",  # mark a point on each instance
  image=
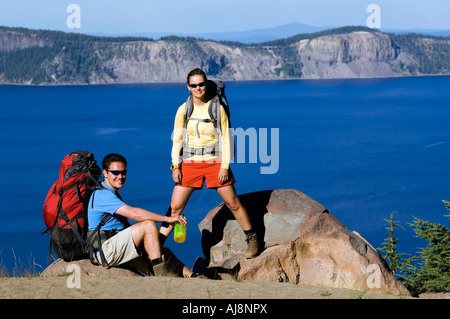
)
(304, 243)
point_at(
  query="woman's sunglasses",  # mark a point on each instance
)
(201, 84)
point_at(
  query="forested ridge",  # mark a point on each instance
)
(54, 57)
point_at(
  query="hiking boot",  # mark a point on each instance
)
(162, 269)
(252, 246)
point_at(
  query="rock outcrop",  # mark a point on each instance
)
(305, 245)
(59, 267)
(16, 40)
(355, 55)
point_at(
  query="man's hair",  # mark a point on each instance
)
(113, 157)
(196, 71)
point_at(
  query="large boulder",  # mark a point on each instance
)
(304, 243)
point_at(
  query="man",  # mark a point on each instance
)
(130, 244)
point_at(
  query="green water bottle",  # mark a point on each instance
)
(179, 234)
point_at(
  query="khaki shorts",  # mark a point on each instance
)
(120, 250)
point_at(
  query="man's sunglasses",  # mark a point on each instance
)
(117, 173)
(201, 84)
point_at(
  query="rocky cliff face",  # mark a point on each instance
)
(355, 55)
(171, 61)
(14, 40)
(82, 59)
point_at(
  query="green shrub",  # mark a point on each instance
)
(429, 271)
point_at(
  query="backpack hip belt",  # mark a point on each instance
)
(209, 150)
(96, 238)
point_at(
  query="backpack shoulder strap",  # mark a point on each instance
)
(189, 107)
(90, 241)
(214, 111)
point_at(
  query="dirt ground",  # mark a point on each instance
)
(170, 297)
(168, 288)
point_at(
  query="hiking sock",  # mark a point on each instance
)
(156, 261)
(162, 239)
(249, 232)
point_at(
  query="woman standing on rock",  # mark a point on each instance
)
(206, 152)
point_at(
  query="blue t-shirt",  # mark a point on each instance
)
(105, 201)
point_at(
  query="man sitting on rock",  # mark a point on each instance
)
(129, 245)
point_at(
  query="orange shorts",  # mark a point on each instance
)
(194, 174)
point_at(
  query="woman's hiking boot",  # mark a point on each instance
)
(252, 246)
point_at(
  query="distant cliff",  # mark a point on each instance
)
(54, 57)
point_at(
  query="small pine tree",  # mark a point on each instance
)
(433, 273)
(396, 263)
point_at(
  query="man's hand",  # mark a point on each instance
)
(177, 219)
(140, 214)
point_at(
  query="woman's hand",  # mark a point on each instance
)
(223, 176)
(176, 176)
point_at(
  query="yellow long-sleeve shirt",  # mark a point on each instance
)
(201, 134)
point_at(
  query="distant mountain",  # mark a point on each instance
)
(54, 57)
(267, 34)
(262, 35)
(250, 36)
(432, 32)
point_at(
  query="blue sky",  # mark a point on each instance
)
(202, 16)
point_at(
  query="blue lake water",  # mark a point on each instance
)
(362, 148)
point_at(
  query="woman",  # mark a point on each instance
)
(199, 165)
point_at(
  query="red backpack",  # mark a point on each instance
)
(65, 207)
